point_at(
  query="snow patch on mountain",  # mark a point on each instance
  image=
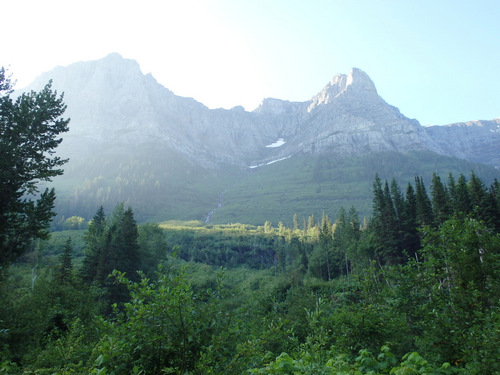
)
(269, 162)
(280, 142)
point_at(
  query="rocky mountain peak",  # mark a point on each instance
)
(357, 82)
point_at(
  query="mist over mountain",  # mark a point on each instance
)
(133, 140)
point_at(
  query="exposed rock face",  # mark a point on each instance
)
(478, 141)
(112, 104)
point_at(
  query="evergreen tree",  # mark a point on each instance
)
(423, 203)
(479, 199)
(495, 190)
(400, 210)
(119, 251)
(354, 224)
(411, 241)
(106, 259)
(441, 205)
(30, 127)
(129, 259)
(477, 192)
(494, 203)
(94, 245)
(491, 214)
(384, 224)
(462, 201)
(398, 200)
(111, 246)
(65, 271)
(452, 192)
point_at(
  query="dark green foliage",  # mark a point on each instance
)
(411, 239)
(65, 270)
(483, 203)
(29, 130)
(34, 319)
(312, 301)
(225, 245)
(477, 193)
(127, 257)
(153, 247)
(384, 224)
(396, 219)
(111, 245)
(461, 197)
(451, 297)
(94, 246)
(424, 205)
(441, 203)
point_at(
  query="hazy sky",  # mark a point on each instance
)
(436, 60)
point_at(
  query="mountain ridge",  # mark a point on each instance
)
(133, 140)
(347, 115)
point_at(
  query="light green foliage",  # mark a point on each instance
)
(74, 223)
(307, 363)
(159, 329)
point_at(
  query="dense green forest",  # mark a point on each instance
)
(412, 290)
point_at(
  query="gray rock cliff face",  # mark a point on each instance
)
(112, 104)
(478, 141)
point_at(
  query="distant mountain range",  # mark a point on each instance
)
(170, 157)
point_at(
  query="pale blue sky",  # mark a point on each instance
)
(437, 61)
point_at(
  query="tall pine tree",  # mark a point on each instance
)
(461, 198)
(94, 245)
(411, 241)
(424, 205)
(384, 224)
(441, 204)
(65, 271)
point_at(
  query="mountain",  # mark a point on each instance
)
(133, 140)
(478, 141)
